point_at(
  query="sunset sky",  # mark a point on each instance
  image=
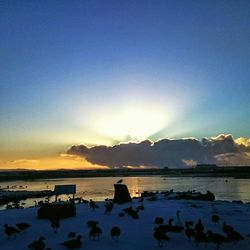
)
(107, 72)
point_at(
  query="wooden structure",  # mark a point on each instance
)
(65, 189)
(57, 210)
(122, 194)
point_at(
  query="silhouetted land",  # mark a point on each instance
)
(236, 172)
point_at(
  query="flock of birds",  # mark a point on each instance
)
(194, 230)
(74, 240)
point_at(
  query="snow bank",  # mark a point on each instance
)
(135, 233)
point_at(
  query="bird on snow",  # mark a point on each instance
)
(115, 232)
(160, 235)
(216, 238)
(178, 222)
(190, 232)
(227, 228)
(235, 236)
(9, 230)
(92, 204)
(92, 223)
(95, 233)
(174, 228)
(199, 226)
(22, 226)
(38, 244)
(109, 207)
(140, 207)
(141, 199)
(74, 243)
(215, 218)
(55, 224)
(159, 220)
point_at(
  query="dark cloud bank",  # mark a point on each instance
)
(220, 150)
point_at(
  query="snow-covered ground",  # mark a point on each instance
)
(135, 233)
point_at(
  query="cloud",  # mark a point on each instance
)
(24, 161)
(243, 141)
(221, 150)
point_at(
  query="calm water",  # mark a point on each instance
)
(100, 188)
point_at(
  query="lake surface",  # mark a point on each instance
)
(101, 188)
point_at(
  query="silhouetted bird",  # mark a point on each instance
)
(71, 235)
(215, 218)
(189, 223)
(199, 226)
(95, 233)
(92, 223)
(165, 227)
(40, 203)
(173, 228)
(115, 232)
(235, 236)
(226, 228)
(10, 231)
(130, 211)
(178, 221)
(109, 206)
(38, 244)
(153, 198)
(84, 201)
(201, 237)
(120, 181)
(141, 199)
(93, 205)
(216, 238)
(160, 235)
(141, 207)
(190, 232)
(55, 224)
(159, 220)
(23, 226)
(74, 243)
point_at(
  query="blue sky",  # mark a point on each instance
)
(73, 71)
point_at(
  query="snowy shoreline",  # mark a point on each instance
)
(135, 233)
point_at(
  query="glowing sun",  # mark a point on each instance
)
(135, 123)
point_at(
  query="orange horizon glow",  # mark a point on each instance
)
(63, 161)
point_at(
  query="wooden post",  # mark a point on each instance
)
(121, 194)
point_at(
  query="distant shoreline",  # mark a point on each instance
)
(227, 172)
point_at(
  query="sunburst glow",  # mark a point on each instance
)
(133, 123)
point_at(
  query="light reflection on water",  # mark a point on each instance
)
(102, 187)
